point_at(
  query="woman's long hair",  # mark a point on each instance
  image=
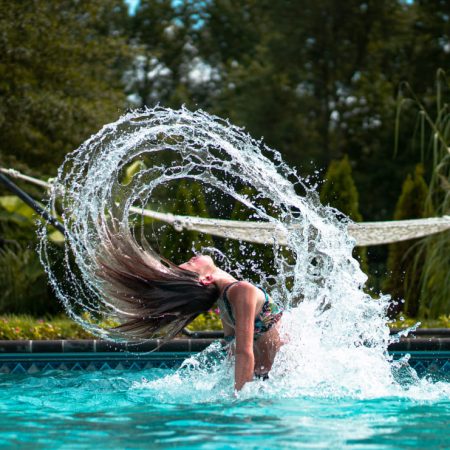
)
(148, 293)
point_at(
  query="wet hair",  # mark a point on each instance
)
(149, 294)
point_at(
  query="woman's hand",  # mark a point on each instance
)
(243, 298)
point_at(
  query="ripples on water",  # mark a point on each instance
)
(108, 409)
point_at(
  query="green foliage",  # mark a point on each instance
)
(339, 191)
(131, 170)
(403, 282)
(27, 327)
(24, 326)
(60, 77)
(61, 327)
(160, 72)
(209, 321)
(432, 258)
(16, 220)
(405, 321)
(178, 246)
(283, 76)
(276, 68)
(23, 282)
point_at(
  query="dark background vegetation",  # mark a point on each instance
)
(321, 81)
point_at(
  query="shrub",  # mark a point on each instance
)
(339, 191)
(405, 321)
(206, 321)
(23, 282)
(27, 327)
(61, 327)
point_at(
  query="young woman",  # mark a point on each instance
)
(249, 317)
(150, 294)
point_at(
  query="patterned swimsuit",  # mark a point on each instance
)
(269, 315)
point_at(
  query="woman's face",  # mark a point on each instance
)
(201, 264)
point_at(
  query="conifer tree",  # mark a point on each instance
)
(403, 280)
(178, 246)
(339, 191)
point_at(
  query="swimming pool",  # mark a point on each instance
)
(80, 398)
(113, 409)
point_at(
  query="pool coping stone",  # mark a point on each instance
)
(176, 345)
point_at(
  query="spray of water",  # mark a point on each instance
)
(337, 334)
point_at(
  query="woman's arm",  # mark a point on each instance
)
(243, 299)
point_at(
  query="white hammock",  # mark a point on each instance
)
(364, 233)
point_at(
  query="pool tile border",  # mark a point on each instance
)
(437, 364)
(428, 355)
(76, 362)
(91, 345)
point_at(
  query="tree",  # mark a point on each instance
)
(164, 69)
(339, 191)
(317, 79)
(403, 282)
(178, 246)
(60, 73)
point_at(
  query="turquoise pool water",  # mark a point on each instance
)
(113, 409)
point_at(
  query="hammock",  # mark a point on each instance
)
(364, 233)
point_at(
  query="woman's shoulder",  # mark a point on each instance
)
(240, 288)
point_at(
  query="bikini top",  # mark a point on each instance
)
(269, 315)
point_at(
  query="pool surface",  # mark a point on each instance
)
(114, 409)
(82, 394)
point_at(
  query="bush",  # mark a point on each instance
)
(61, 327)
(339, 191)
(406, 322)
(207, 321)
(24, 285)
(27, 327)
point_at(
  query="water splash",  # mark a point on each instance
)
(337, 333)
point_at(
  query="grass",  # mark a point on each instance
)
(433, 255)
